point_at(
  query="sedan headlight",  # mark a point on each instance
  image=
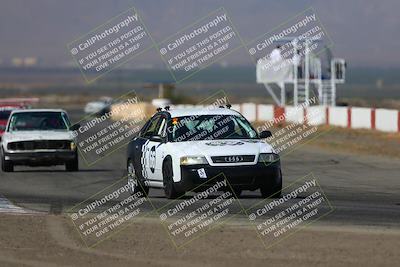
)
(268, 157)
(193, 160)
(73, 146)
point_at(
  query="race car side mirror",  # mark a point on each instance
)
(265, 134)
(157, 138)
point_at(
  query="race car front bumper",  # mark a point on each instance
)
(246, 177)
(42, 158)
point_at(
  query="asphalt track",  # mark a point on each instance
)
(363, 190)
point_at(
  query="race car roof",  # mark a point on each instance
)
(201, 111)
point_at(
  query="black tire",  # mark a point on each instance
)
(274, 190)
(6, 166)
(72, 165)
(169, 187)
(136, 184)
(236, 191)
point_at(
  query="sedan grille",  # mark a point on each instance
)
(42, 144)
(233, 159)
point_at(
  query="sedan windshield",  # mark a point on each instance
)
(210, 127)
(40, 121)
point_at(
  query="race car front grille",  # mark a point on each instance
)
(233, 159)
(36, 145)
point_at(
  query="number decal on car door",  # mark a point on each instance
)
(152, 159)
(143, 159)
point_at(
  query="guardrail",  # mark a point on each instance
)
(385, 120)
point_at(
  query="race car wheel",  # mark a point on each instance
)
(6, 166)
(133, 181)
(169, 188)
(72, 165)
(272, 190)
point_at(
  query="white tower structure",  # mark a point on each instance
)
(302, 74)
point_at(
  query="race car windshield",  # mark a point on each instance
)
(39, 121)
(210, 127)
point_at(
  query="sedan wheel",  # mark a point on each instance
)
(133, 181)
(6, 166)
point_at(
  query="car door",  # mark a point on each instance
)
(159, 150)
(135, 150)
(148, 149)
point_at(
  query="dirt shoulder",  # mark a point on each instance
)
(48, 240)
(366, 142)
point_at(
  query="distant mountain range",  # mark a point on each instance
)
(360, 76)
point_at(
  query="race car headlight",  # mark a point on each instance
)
(193, 160)
(268, 157)
(73, 146)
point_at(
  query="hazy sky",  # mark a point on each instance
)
(365, 32)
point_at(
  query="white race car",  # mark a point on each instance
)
(185, 150)
(38, 137)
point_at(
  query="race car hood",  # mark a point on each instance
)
(37, 135)
(223, 147)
